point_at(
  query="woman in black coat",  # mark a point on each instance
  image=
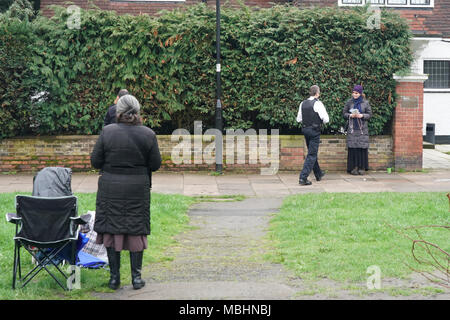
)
(357, 111)
(127, 153)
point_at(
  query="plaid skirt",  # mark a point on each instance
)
(122, 241)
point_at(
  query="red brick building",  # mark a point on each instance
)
(426, 17)
(143, 6)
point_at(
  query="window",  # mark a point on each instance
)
(390, 3)
(145, 1)
(438, 74)
(397, 2)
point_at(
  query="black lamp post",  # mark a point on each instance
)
(218, 115)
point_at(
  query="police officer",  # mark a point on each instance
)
(110, 116)
(312, 114)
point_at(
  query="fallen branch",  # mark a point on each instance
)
(429, 247)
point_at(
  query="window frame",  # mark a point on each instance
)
(144, 1)
(408, 4)
(423, 69)
(398, 4)
(419, 4)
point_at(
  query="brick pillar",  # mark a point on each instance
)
(408, 122)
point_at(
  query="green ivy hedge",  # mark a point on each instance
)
(270, 58)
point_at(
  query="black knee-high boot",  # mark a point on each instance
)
(114, 268)
(136, 267)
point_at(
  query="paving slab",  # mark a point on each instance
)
(198, 179)
(199, 190)
(436, 158)
(232, 178)
(442, 147)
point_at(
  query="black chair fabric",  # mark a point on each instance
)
(46, 220)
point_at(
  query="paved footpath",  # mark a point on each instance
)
(221, 256)
(437, 158)
(255, 185)
(284, 184)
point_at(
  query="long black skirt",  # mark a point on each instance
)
(357, 157)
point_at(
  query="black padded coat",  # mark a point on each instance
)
(126, 155)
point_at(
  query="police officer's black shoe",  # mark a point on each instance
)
(320, 177)
(304, 182)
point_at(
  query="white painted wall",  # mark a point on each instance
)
(436, 109)
(436, 103)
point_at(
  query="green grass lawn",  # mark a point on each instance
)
(339, 235)
(168, 217)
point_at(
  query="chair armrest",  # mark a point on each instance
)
(13, 218)
(85, 218)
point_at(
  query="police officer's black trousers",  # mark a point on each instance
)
(312, 137)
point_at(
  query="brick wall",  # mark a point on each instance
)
(408, 122)
(33, 153)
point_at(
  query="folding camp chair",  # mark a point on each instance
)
(46, 224)
(43, 223)
(52, 182)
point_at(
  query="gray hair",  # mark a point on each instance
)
(122, 92)
(314, 90)
(127, 110)
(128, 104)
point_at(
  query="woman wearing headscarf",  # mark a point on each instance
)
(127, 153)
(357, 112)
